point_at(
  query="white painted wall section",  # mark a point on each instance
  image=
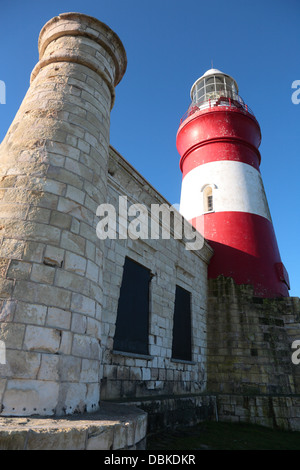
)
(236, 186)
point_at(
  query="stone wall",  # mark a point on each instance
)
(277, 412)
(126, 375)
(249, 355)
(249, 343)
(177, 411)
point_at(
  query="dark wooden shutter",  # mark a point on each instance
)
(132, 323)
(182, 347)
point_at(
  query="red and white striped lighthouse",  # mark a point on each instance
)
(222, 188)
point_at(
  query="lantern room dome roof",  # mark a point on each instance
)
(211, 72)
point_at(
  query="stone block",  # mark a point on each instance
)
(74, 397)
(12, 334)
(120, 436)
(77, 167)
(60, 219)
(4, 263)
(13, 440)
(42, 273)
(140, 428)
(82, 304)
(69, 368)
(6, 288)
(49, 368)
(22, 364)
(92, 271)
(19, 270)
(85, 347)
(56, 439)
(42, 339)
(63, 149)
(135, 373)
(146, 373)
(93, 396)
(79, 323)
(73, 242)
(66, 342)
(75, 263)
(58, 318)
(54, 187)
(7, 310)
(33, 251)
(93, 328)
(90, 371)
(100, 438)
(40, 233)
(110, 371)
(75, 226)
(65, 176)
(2, 387)
(12, 248)
(27, 397)
(112, 390)
(54, 256)
(84, 146)
(30, 313)
(123, 373)
(75, 194)
(49, 295)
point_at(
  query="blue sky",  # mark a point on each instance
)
(169, 44)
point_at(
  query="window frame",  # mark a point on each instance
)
(179, 322)
(123, 344)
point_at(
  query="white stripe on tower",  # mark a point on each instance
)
(236, 187)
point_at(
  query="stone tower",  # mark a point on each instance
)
(53, 176)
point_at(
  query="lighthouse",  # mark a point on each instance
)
(222, 189)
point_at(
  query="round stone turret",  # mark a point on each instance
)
(81, 39)
(53, 176)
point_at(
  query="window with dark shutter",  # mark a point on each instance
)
(132, 323)
(208, 199)
(182, 341)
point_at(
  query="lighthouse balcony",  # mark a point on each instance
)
(217, 99)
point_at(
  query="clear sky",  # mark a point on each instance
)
(169, 44)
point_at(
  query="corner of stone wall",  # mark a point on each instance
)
(249, 354)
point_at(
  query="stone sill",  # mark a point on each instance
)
(183, 361)
(134, 355)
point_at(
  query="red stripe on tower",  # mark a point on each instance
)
(222, 188)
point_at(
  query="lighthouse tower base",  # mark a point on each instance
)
(250, 355)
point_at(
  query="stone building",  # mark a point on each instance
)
(88, 318)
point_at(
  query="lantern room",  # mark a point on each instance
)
(215, 88)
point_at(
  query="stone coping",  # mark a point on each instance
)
(113, 427)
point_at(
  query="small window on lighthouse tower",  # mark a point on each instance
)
(208, 199)
(209, 203)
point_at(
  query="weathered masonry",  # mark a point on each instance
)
(86, 320)
(53, 175)
(143, 351)
(67, 339)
